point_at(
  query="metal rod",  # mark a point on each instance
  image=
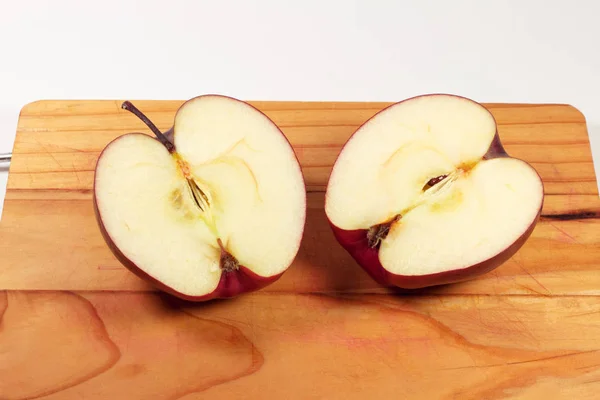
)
(5, 157)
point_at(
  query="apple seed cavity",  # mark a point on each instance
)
(198, 195)
(200, 198)
(377, 233)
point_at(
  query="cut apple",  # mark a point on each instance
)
(424, 194)
(213, 210)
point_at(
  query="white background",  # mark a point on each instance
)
(491, 51)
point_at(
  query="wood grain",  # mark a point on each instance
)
(99, 349)
(58, 142)
(299, 346)
(75, 324)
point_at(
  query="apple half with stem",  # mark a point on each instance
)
(213, 209)
(424, 194)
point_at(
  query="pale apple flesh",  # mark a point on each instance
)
(424, 194)
(220, 214)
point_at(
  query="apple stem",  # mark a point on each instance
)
(127, 105)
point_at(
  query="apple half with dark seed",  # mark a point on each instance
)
(214, 209)
(424, 194)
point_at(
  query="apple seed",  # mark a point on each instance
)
(199, 197)
(434, 181)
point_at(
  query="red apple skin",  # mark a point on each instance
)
(355, 242)
(496, 149)
(231, 284)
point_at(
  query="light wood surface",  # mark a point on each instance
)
(75, 324)
(91, 345)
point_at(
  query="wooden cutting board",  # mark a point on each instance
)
(75, 324)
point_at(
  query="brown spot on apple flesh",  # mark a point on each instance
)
(227, 262)
(378, 232)
(448, 203)
(176, 198)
